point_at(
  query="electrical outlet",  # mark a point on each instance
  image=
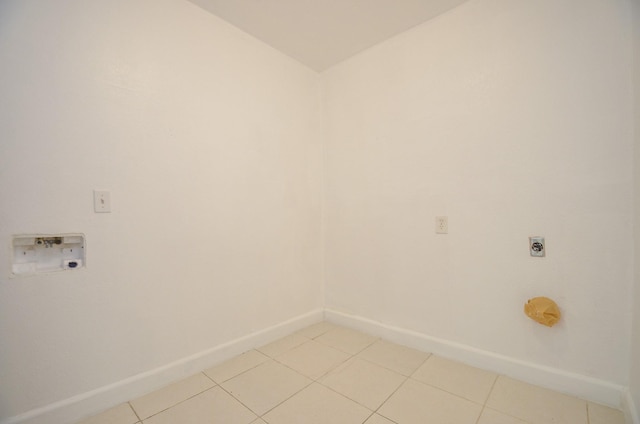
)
(536, 247)
(442, 225)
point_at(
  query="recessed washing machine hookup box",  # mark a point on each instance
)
(34, 254)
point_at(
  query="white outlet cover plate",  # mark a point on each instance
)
(537, 251)
(442, 225)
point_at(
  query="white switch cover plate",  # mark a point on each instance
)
(442, 225)
(101, 201)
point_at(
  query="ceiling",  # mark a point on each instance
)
(322, 33)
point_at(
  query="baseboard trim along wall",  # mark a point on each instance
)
(630, 409)
(588, 388)
(89, 403)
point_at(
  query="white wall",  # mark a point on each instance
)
(210, 144)
(635, 350)
(513, 118)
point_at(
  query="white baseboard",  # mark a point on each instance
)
(90, 403)
(630, 409)
(588, 388)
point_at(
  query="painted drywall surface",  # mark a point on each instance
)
(209, 142)
(512, 118)
(635, 351)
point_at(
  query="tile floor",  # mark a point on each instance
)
(330, 374)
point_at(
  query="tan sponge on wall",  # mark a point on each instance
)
(542, 310)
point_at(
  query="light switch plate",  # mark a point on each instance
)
(101, 201)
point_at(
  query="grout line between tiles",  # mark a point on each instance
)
(364, 406)
(266, 412)
(182, 401)
(387, 399)
(321, 334)
(344, 351)
(368, 418)
(411, 373)
(507, 414)
(391, 394)
(317, 380)
(484, 405)
(385, 367)
(495, 380)
(212, 380)
(429, 355)
(312, 380)
(286, 350)
(247, 370)
(240, 402)
(445, 391)
(386, 418)
(134, 411)
(349, 353)
(332, 369)
(480, 414)
(456, 394)
(322, 375)
(346, 397)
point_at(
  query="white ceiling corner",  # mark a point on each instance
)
(322, 33)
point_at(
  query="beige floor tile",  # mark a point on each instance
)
(281, 346)
(265, 386)
(400, 359)
(235, 366)
(313, 359)
(489, 416)
(535, 404)
(378, 419)
(346, 340)
(212, 406)
(463, 380)
(171, 395)
(318, 405)
(356, 375)
(366, 383)
(121, 414)
(316, 330)
(600, 414)
(418, 403)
